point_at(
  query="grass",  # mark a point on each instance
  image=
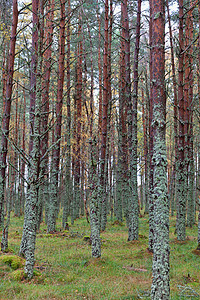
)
(65, 270)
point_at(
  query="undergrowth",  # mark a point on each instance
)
(64, 268)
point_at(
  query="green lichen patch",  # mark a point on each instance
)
(15, 262)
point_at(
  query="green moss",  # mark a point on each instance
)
(19, 275)
(15, 262)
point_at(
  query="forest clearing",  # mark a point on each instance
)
(99, 149)
(66, 270)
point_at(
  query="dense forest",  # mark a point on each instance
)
(100, 114)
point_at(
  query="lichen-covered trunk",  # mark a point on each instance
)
(198, 171)
(181, 205)
(52, 209)
(27, 247)
(190, 136)
(103, 138)
(122, 132)
(7, 110)
(175, 111)
(133, 202)
(23, 164)
(151, 208)
(94, 203)
(48, 34)
(160, 270)
(68, 181)
(146, 167)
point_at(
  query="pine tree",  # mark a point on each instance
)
(160, 270)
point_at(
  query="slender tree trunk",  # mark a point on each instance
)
(77, 168)
(181, 205)
(191, 172)
(27, 247)
(93, 173)
(133, 205)
(146, 154)
(102, 188)
(151, 206)
(6, 123)
(100, 76)
(122, 131)
(160, 272)
(53, 205)
(175, 107)
(198, 174)
(68, 183)
(16, 140)
(23, 163)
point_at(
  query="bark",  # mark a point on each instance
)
(94, 202)
(175, 109)
(15, 174)
(198, 174)
(102, 191)
(23, 164)
(27, 247)
(123, 194)
(100, 75)
(191, 175)
(53, 205)
(133, 204)
(148, 138)
(7, 110)
(93, 180)
(33, 71)
(151, 206)
(145, 132)
(48, 35)
(160, 271)
(68, 183)
(122, 132)
(181, 205)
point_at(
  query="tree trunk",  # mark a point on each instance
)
(48, 34)
(181, 205)
(27, 247)
(6, 122)
(68, 181)
(133, 204)
(160, 271)
(151, 206)
(53, 205)
(102, 188)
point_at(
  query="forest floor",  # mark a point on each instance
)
(65, 269)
